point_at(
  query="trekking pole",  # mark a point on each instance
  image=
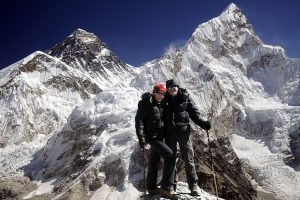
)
(212, 165)
(144, 171)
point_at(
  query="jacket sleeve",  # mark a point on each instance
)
(140, 118)
(195, 114)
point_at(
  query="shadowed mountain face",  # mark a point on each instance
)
(74, 107)
(87, 53)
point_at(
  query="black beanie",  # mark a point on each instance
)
(171, 83)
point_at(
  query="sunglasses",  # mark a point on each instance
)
(159, 93)
(169, 88)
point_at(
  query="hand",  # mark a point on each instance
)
(206, 125)
(142, 142)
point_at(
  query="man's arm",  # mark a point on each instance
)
(195, 115)
(140, 118)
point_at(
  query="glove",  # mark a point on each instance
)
(142, 142)
(206, 125)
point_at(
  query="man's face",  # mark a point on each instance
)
(173, 90)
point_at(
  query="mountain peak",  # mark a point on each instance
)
(231, 8)
(231, 19)
(83, 35)
(85, 51)
(80, 30)
(233, 13)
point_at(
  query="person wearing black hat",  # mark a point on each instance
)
(178, 109)
(150, 128)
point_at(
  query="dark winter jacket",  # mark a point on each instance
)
(149, 119)
(178, 110)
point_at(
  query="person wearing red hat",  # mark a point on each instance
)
(150, 129)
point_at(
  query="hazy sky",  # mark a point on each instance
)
(136, 30)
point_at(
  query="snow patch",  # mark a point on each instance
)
(105, 52)
(268, 168)
(45, 187)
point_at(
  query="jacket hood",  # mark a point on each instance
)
(146, 95)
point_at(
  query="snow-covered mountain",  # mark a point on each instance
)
(81, 101)
(251, 87)
(87, 53)
(39, 92)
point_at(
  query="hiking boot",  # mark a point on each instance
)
(174, 187)
(169, 194)
(195, 190)
(154, 192)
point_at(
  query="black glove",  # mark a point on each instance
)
(142, 142)
(206, 125)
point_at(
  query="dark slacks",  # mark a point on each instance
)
(187, 154)
(160, 149)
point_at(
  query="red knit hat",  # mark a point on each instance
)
(159, 88)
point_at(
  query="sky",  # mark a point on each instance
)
(136, 30)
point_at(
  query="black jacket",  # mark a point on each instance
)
(149, 119)
(178, 110)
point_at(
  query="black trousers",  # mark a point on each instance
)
(187, 154)
(160, 149)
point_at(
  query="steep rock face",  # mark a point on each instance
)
(232, 178)
(10, 188)
(87, 53)
(259, 83)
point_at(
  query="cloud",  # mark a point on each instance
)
(174, 47)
